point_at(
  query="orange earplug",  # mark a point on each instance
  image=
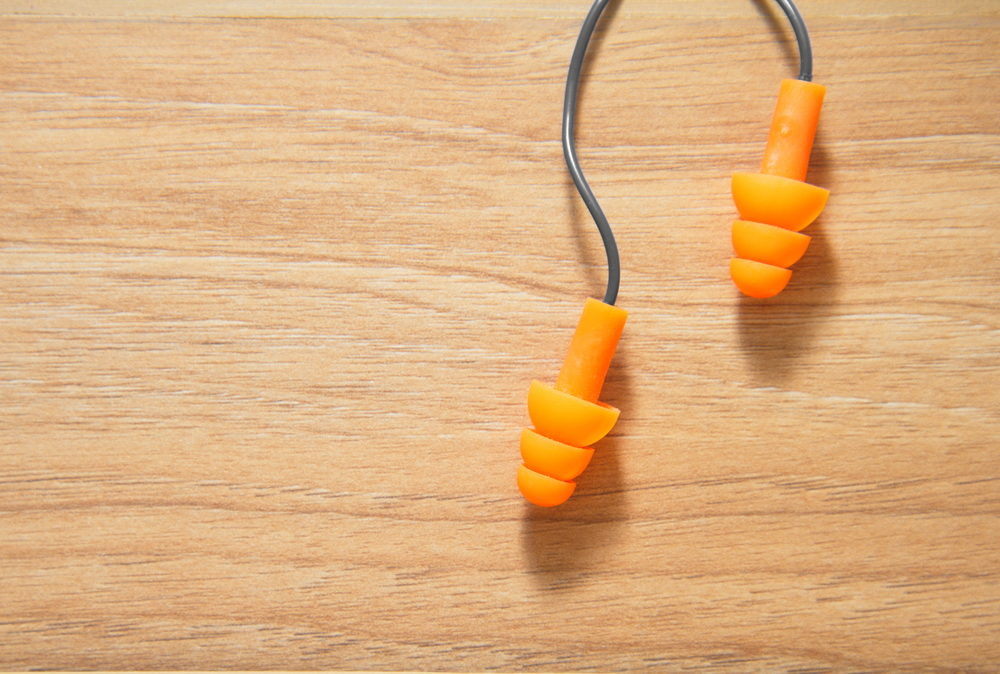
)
(775, 204)
(568, 417)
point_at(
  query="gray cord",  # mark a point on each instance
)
(569, 124)
(801, 36)
(569, 151)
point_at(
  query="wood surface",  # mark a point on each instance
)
(274, 278)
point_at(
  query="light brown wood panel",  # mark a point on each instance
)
(464, 9)
(272, 291)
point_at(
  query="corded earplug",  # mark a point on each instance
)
(569, 417)
(776, 204)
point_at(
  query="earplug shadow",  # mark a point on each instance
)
(775, 332)
(566, 544)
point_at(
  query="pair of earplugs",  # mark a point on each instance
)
(774, 206)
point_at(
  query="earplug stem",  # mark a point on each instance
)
(594, 343)
(793, 129)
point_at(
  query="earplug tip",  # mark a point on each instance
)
(758, 279)
(543, 490)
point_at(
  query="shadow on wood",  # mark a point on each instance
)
(776, 331)
(784, 34)
(566, 544)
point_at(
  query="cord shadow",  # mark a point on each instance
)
(592, 268)
(578, 212)
(776, 331)
(777, 25)
(563, 545)
(594, 50)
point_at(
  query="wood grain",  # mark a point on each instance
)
(273, 283)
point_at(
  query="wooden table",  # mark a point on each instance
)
(276, 276)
